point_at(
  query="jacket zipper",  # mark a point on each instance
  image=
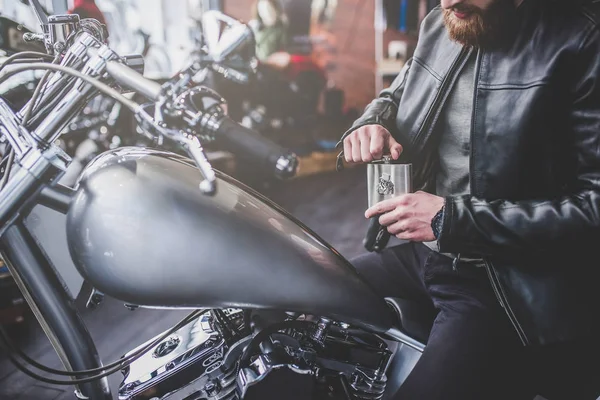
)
(494, 281)
(473, 115)
(501, 295)
(471, 133)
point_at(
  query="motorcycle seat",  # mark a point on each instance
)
(414, 319)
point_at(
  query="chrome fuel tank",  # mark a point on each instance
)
(140, 230)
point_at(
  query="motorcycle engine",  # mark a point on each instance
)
(233, 354)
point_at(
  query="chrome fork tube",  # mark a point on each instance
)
(11, 131)
(50, 128)
(33, 167)
(53, 308)
(75, 58)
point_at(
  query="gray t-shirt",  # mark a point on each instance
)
(455, 138)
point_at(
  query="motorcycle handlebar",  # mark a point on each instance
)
(243, 142)
(250, 145)
(127, 77)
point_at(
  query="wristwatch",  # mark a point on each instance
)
(437, 223)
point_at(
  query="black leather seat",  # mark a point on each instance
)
(415, 319)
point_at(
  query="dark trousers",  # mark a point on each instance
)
(473, 351)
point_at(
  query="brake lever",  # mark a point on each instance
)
(167, 103)
(195, 150)
(191, 145)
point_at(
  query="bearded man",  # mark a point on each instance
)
(499, 113)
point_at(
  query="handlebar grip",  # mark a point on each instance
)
(133, 80)
(250, 145)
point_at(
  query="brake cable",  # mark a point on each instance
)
(8, 347)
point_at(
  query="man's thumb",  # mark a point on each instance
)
(395, 148)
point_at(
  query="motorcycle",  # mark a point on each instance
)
(104, 124)
(91, 131)
(282, 316)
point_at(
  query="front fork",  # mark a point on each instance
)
(53, 307)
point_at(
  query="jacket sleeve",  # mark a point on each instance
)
(382, 111)
(529, 227)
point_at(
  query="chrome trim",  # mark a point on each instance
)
(11, 129)
(196, 345)
(54, 341)
(221, 43)
(50, 128)
(286, 166)
(95, 300)
(75, 57)
(398, 335)
(61, 29)
(135, 62)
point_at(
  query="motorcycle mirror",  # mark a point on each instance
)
(211, 30)
(233, 40)
(224, 35)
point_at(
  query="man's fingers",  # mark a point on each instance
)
(370, 143)
(397, 228)
(396, 150)
(407, 235)
(377, 143)
(365, 152)
(356, 157)
(348, 150)
(390, 218)
(382, 207)
(394, 147)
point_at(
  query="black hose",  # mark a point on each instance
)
(42, 110)
(8, 168)
(37, 93)
(7, 346)
(24, 54)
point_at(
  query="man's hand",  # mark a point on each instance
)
(369, 143)
(408, 217)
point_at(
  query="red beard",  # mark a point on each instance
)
(480, 28)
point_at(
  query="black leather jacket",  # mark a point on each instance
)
(534, 211)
